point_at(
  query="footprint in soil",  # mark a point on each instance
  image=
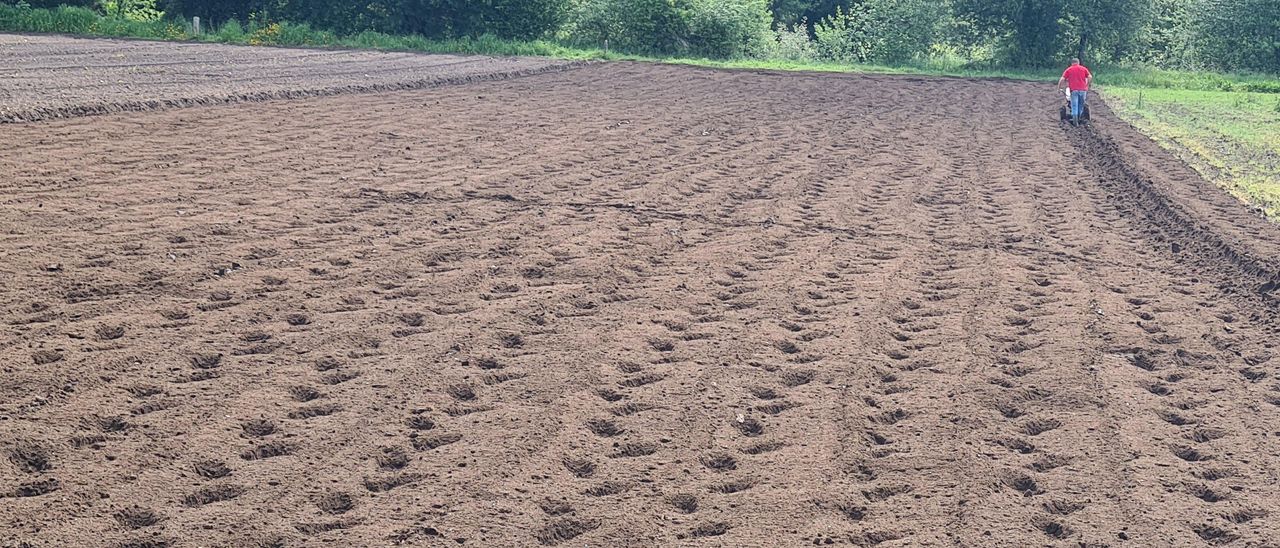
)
(851, 511)
(604, 428)
(338, 377)
(109, 332)
(640, 380)
(634, 449)
(206, 361)
(720, 462)
(484, 363)
(45, 357)
(713, 529)
(763, 447)
(1021, 483)
(735, 486)
(335, 503)
(312, 411)
(581, 468)
(268, 450)
(1049, 462)
(684, 502)
(304, 393)
(606, 489)
(382, 485)
(137, 517)
(1037, 427)
(1053, 528)
(461, 392)
(210, 495)
(30, 458)
(1214, 535)
(174, 314)
(555, 507)
(392, 458)
(797, 377)
(564, 530)
(257, 428)
(630, 409)
(427, 443)
(764, 393)
(748, 426)
(420, 422)
(890, 417)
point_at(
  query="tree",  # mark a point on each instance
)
(715, 28)
(790, 13)
(1167, 37)
(1238, 34)
(1105, 29)
(887, 31)
(1043, 32)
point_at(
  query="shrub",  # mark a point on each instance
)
(231, 31)
(729, 28)
(716, 28)
(792, 43)
(842, 37)
(132, 10)
(886, 31)
(639, 26)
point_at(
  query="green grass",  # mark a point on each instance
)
(1231, 138)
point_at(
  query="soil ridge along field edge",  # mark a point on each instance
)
(1246, 267)
(50, 113)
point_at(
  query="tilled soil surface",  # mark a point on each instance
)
(631, 305)
(46, 77)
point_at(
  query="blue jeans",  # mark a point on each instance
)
(1077, 104)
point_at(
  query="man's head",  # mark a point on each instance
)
(1075, 60)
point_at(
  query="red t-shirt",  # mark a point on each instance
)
(1077, 77)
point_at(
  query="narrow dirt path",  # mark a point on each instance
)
(631, 305)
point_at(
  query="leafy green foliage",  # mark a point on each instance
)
(132, 10)
(792, 43)
(1238, 34)
(1047, 32)
(886, 31)
(717, 28)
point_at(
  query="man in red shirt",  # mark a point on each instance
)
(1077, 79)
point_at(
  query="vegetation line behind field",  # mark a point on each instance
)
(81, 21)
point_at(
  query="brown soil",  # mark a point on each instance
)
(631, 305)
(47, 77)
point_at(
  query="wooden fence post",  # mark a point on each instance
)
(195, 25)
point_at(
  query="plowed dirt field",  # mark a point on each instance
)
(631, 305)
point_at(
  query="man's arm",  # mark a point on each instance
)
(1062, 82)
(1088, 81)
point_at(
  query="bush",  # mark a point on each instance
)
(792, 43)
(231, 31)
(885, 31)
(637, 26)
(1238, 34)
(843, 37)
(132, 10)
(729, 28)
(716, 28)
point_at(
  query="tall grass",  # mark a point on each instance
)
(72, 20)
